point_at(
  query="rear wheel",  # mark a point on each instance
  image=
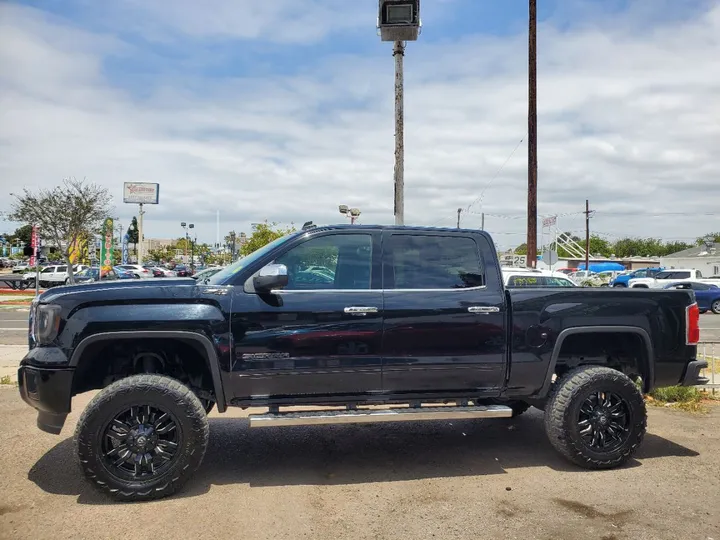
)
(596, 417)
(142, 437)
(619, 285)
(715, 307)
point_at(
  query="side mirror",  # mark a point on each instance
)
(272, 276)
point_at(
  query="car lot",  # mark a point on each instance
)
(492, 478)
(468, 479)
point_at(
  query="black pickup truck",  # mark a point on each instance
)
(340, 319)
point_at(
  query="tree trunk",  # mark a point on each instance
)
(71, 276)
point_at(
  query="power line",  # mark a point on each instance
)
(482, 193)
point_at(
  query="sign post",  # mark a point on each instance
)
(106, 248)
(141, 193)
(34, 258)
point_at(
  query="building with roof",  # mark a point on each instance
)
(705, 258)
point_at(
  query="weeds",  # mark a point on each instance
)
(6, 379)
(687, 398)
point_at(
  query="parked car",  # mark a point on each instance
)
(424, 321)
(160, 271)
(124, 274)
(21, 267)
(676, 274)
(182, 271)
(137, 270)
(519, 278)
(623, 279)
(53, 275)
(92, 274)
(707, 295)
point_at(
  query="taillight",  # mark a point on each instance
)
(145, 271)
(692, 324)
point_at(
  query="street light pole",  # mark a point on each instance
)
(399, 22)
(399, 173)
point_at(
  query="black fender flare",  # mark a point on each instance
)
(204, 341)
(648, 364)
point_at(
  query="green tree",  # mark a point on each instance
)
(263, 234)
(22, 234)
(133, 234)
(521, 249)
(714, 235)
(64, 213)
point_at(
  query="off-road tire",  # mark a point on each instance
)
(563, 409)
(139, 390)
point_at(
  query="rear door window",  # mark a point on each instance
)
(432, 262)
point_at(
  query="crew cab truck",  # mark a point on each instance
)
(414, 318)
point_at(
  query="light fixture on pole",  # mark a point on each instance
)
(352, 213)
(399, 21)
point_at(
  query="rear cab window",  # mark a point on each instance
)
(432, 262)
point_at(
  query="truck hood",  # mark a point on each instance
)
(127, 291)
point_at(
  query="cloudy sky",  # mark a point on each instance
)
(283, 109)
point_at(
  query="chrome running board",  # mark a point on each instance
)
(358, 416)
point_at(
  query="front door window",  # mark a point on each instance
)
(339, 261)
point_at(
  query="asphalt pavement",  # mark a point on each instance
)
(469, 479)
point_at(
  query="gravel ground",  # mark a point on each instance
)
(471, 479)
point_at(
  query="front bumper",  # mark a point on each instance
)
(48, 390)
(692, 373)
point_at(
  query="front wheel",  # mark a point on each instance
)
(715, 307)
(142, 437)
(619, 285)
(596, 417)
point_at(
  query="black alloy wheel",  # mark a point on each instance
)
(141, 442)
(603, 421)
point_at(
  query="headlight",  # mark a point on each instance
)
(46, 323)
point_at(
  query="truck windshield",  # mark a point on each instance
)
(229, 271)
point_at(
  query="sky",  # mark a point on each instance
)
(281, 110)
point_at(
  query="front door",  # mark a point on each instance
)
(319, 335)
(444, 324)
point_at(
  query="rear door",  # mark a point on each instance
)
(444, 324)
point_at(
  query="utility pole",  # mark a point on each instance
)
(458, 222)
(139, 248)
(399, 53)
(587, 236)
(532, 138)
(482, 222)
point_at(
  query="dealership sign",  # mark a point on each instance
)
(141, 193)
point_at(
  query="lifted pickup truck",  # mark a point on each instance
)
(342, 318)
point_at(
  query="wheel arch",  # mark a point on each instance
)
(646, 363)
(204, 344)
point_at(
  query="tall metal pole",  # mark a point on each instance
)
(587, 237)
(140, 236)
(482, 222)
(458, 221)
(532, 139)
(399, 53)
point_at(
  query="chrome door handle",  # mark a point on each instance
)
(360, 310)
(484, 309)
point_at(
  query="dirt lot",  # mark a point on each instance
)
(472, 479)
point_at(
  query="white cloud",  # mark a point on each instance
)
(628, 119)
